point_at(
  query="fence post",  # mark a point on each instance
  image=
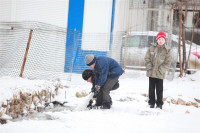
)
(26, 52)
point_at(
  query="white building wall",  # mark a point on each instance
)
(120, 26)
(48, 11)
(121, 15)
(97, 25)
(5, 10)
(50, 46)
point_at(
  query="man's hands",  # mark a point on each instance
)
(90, 104)
(97, 86)
(96, 90)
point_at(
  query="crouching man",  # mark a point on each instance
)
(105, 77)
(88, 75)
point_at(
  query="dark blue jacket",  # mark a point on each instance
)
(106, 67)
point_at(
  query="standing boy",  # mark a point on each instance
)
(106, 72)
(157, 62)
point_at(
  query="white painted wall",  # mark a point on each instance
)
(121, 17)
(48, 11)
(120, 21)
(47, 48)
(5, 10)
(97, 25)
(189, 22)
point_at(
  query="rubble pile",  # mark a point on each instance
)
(24, 103)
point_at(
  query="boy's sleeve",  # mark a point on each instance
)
(166, 64)
(147, 60)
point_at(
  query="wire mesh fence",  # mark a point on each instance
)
(45, 55)
(98, 44)
(57, 52)
(54, 52)
(145, 19)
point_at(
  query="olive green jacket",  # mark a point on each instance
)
(157, 61)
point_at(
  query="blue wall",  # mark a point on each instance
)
(74, 57)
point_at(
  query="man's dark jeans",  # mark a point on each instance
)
(103, 98)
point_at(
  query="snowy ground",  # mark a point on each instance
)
(128, 114)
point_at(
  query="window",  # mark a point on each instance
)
(151, 40)
(133, 41)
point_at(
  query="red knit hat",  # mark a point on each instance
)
(161, 34)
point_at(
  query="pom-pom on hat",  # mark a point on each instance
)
(90, 59)
(161, 35)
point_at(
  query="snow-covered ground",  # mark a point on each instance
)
(128, 114)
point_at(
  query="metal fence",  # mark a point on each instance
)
(46, 51)
(54, 52)
(144, 20)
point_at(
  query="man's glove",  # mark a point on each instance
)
(89, 106)
(96, 91)
(93, 89)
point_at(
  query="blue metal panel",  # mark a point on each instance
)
(75, 56)
(75, 15)
(112, 16)
(75, 23)
(80, 65)
(112, 23)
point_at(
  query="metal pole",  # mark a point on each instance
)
(126, 36)
(26, 53)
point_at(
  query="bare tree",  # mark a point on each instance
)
(196, 20)
(180, 6)
(183, 35)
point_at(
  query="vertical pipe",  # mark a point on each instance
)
(26, 53)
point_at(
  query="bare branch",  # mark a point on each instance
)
(194, 25)
(180, 34)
